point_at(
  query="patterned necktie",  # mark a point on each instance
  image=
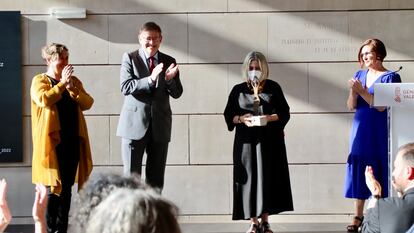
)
(151, 64)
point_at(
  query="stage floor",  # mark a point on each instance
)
(231, 228)
(281, 227)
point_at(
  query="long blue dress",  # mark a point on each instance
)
(368, 142)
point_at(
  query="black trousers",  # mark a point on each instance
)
(58, 207)
(132, 155)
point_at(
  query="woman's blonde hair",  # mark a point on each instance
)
(53, 51)
(264, 67)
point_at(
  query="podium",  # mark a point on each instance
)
(399, 98)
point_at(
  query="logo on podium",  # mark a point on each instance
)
(394, 94)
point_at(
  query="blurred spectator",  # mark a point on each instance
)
(97, 188)
(392, 214)
(137, 211)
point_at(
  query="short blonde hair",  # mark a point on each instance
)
(261, 59)
(53, 51)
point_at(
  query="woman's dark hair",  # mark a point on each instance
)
(376, 46)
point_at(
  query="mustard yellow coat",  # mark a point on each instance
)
(46, 127)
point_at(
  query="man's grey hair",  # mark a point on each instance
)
(134, 211)
(97, 188)
(407, 151)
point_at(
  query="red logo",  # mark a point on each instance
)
(397, 92)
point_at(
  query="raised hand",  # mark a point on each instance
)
(66, 73)
(5, 215)
(40, 203)
(372, 184)
(39, 208)
(156, 71)
(356, 86)
(171, 71)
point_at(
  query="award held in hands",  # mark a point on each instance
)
(258, 120)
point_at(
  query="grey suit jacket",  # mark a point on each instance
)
(142, 104)
(390, 215)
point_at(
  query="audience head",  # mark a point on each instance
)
(97, 188)
(403, 173)
(376, 48)
(255, 61)
(134, 211)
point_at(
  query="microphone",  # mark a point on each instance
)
(396, 71)
(399, 69)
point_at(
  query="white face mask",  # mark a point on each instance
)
(254, 75)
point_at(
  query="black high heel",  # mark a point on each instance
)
(355, 227)
(265, 227)
(254, 228)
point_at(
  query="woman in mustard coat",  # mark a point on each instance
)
(61, 150)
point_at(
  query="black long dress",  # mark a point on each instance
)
(261, 176)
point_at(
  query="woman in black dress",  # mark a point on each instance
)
(258, 110)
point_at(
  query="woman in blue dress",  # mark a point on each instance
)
(369, 133)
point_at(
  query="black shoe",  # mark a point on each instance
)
(254, 228)
(355, 228)
(265, 227)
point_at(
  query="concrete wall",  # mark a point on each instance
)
(311, 46)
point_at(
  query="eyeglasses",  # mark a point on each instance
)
(153, 39)
(254, 67)
(366, 54)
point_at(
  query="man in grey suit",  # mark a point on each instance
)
(392, 214)
(148, 79)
